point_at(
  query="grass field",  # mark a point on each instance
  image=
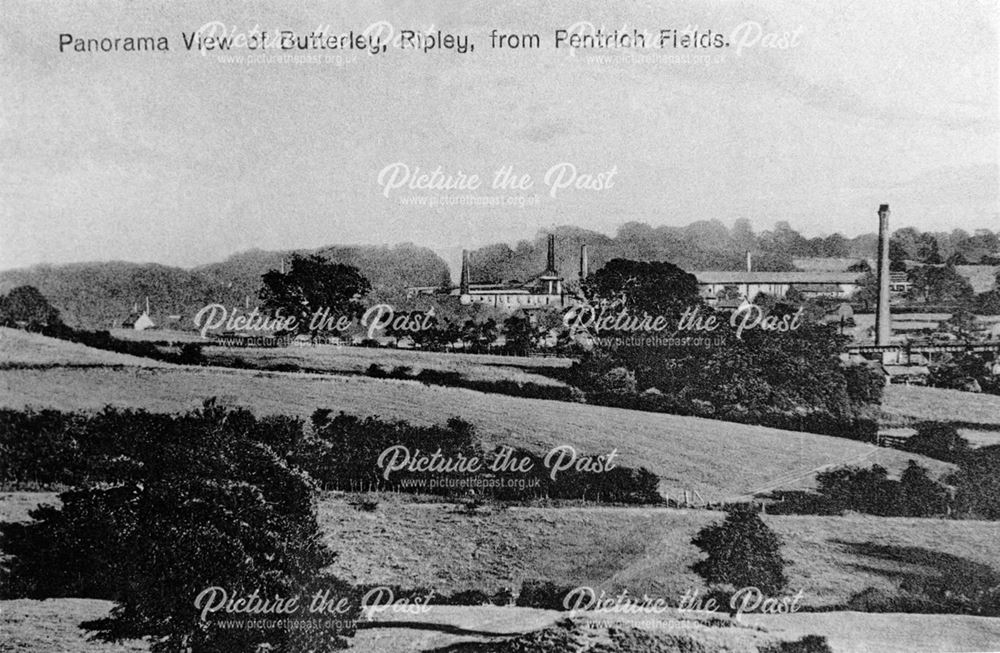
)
(22, 349)
(443, 547)
(906, 404)
(158, 336)
(639, 549)
(52, 627)
(719, 460)
(328, 358)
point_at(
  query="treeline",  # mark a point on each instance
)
(44, 449)
(101, 295)
(970, 492)
(711, 245)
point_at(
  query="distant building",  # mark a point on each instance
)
(830, 263)
(138, 321)
(838, 285)
(899, 283)
(545, 290)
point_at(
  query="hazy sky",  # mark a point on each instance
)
(184, 159)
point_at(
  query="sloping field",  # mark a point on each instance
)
(445, 548)
(905, 404)
(638, 549)
(329, 358)
(20, 348)
(719, 460)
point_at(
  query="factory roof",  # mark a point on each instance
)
(742, 276)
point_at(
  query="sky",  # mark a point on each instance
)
(185, 158)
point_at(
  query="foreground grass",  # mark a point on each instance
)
(639, 549)
(444, 547)
(52, 627)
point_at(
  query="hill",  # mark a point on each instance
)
(904, 405)
(22, 349)
(717, 460)
(101, 295)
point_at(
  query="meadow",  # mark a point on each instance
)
(447, 547)
(719, 461)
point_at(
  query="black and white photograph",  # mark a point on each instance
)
(471, 326)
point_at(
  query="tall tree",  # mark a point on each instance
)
(25, 304)
(656, 287)
(312, 283)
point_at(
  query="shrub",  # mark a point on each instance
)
(543, 594)
(977, 484)
(207, 504)
(808, 644)
(920, 496)
(863, 490)
(617, 381)
(937, 440)
(742, 552)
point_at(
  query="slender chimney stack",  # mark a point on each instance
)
(466, 274)
(749, 261)
(584, 263)
(883, 325)
(551, 259)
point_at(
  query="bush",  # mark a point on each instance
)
(808, 644)
(543, 594)
(206, 503)
(937, 440)
(863, 490)
(920, 496)
(742, 552)
(617, 381)
(873, 492)
(977, 484)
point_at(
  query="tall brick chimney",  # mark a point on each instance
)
(883, 320)
(466, 277)
(584, 263)
(550, 265)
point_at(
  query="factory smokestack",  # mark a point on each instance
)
(749, 261)
(466, 278)
(584, 263)
(883, 326)
(550, 264)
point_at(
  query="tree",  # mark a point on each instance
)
(655, 287)
(742, 552)
(204, 501)
(904, 244)
(927, 249)
(518, 333)
(920, 495)
(935, 284)
(26, 305)
(977, 483)
(988, 303)
(312, 283)
(867, 292)
(938, 440)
